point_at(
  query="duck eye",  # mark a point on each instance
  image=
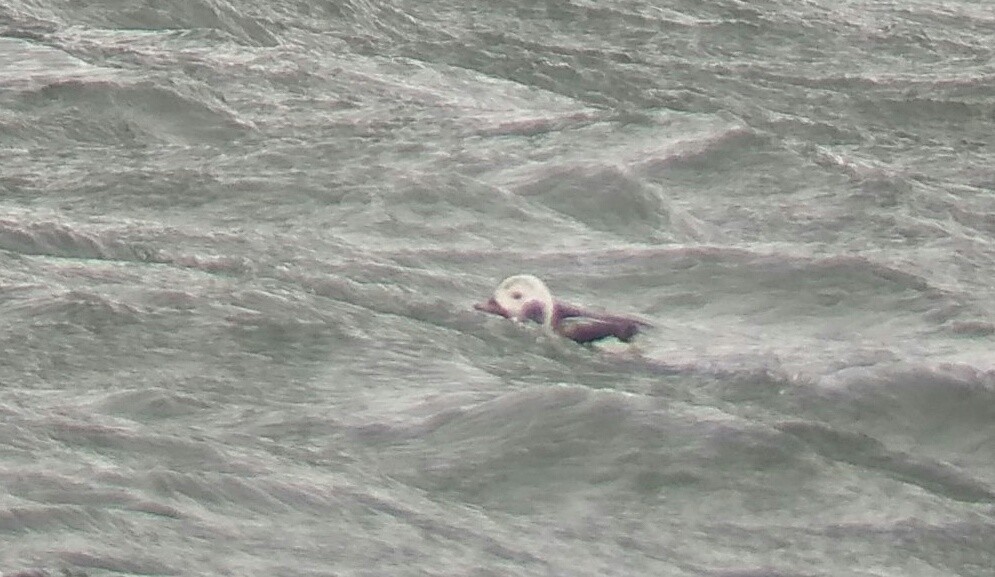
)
(516, 295)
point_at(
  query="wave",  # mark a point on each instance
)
(122, 112)
(511, 448)
(69, 240)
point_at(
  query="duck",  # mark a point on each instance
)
(525, 297)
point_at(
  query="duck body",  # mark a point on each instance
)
(526, 298)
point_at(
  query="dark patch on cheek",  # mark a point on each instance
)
(533, 311)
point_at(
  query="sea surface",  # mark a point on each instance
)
(241, 240)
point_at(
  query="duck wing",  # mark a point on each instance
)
(584, 326)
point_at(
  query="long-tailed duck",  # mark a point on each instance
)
(525, 297)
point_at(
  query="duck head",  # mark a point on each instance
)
(521, 297)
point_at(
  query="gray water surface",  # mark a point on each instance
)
(240, 241)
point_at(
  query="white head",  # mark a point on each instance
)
(522, 297)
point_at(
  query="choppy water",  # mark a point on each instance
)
(240, 241)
